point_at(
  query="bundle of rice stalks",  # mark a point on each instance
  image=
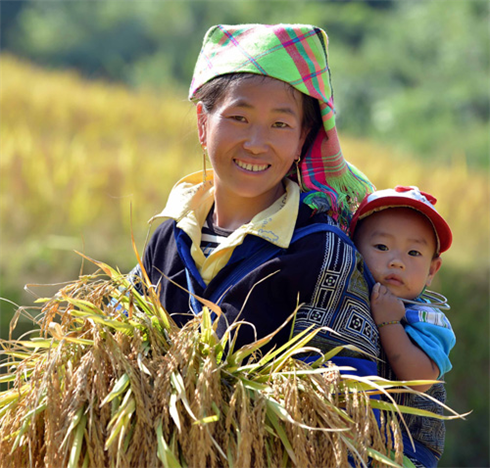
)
(111, 381)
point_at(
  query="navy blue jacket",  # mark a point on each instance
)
(321, 270)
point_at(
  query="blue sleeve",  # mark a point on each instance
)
(432, 332)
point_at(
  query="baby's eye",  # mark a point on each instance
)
(414, 253)
(381, 247)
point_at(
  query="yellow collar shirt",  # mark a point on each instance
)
(189, 203)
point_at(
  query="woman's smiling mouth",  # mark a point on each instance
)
(251, 167)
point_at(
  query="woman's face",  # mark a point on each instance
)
(253, 135)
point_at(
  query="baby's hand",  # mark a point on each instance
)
(385, 306)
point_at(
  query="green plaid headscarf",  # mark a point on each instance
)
(296, 54)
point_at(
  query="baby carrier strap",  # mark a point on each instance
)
(266, 251)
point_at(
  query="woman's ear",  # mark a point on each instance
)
(301, 143)
(202, 118)
(435, 265)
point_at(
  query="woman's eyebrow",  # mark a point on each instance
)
(280, 110)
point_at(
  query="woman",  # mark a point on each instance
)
(244, 235)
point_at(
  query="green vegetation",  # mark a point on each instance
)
(412, 74)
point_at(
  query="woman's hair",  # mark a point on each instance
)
(213, 91)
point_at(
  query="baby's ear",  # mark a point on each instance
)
(435, 265)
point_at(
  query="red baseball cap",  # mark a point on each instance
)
(405, 197)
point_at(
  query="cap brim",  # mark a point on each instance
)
(441, 228)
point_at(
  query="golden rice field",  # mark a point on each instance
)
(77, 157)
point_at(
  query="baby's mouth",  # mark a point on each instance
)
(251, 167)
(394, 279)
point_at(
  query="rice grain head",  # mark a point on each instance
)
(120, 385)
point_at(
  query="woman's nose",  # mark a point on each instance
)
(256, 140)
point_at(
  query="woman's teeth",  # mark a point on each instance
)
(252, 167)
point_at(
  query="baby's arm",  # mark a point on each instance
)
(407, 360)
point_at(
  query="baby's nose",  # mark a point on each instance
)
(396, 262)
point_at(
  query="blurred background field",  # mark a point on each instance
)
(95, 130)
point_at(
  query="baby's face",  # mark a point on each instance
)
(398, 245)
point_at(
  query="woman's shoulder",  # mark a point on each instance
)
(164, 228)
(312, 227)
(162, 234)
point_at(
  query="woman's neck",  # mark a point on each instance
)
(232, 212)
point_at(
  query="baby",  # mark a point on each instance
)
(401, 236)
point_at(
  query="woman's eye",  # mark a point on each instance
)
(381, 247)
(281, 125)
(238, 118)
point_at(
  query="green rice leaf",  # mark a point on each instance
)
(178, 383)
(76, 447)
(128, 438)
(25, 425)
(208, 335)
(291, 344)
(370, 383)
(119, 409)
(230, 457)
(119, 387)
(8, 396)
(319, 370)
(73, 424)
(8, 407)
(238, 356)
(164, 317)
(279, 410)
(80, 341)
(384, 405)
(174, 413)
(348, 442)
(141, 366)
(285, 460)
(280, 432)
(207, 419)
(7, 378)
(42, 300)
(109, 271)
(252, 385)
(11, 363)
(86, 460)
(103, 320)
(375, 455)
(163, 451)
(40, 343)
(83, 305)
(17, 354)
(122, 421)
(332, 353)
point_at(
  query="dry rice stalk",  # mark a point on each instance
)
(111, 381)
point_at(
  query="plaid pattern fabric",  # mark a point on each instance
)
(295, 54)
